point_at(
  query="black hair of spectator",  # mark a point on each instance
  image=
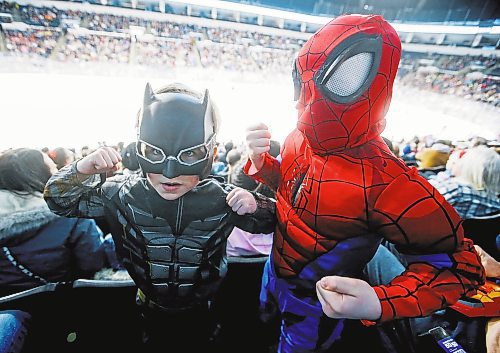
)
(45, 150)
(23, 171)
(84, 151)
(228, 146)
(129, 157)
(388, 143)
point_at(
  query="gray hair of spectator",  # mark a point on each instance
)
(183, 89)
(480, 167)
(23, 171)
(233, 157)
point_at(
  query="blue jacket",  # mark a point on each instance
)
(37, 246)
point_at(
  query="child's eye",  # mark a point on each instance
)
(194, 155)
(152, 153)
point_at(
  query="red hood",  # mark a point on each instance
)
(329, 125)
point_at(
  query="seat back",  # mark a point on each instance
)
(484, 232)
(82, 316)
(88, 315)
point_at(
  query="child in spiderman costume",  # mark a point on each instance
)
(340, 192)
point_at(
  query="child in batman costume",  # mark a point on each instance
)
(170, 223)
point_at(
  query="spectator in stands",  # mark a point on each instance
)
(84, 151)
(434, 156)
(129, 158)
(232, 158)
(408, 151)
(474, 189)
(37, 247)
(394, 148)
(228, 146)
(219, 167)
(478, 141)
(62, 156)
(445, 175)
(181, 216)
(65, 249)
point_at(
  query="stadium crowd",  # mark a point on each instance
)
(60, 35)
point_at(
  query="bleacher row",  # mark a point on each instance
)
(81, 36)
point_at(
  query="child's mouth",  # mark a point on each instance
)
(170, 186)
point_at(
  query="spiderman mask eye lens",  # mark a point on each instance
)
(350, 75)
(350, 68)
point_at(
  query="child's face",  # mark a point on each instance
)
(172, 189)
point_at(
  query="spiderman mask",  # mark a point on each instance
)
(343, 79)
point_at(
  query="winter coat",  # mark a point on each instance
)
(38, 247)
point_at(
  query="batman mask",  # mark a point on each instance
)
(176, 134)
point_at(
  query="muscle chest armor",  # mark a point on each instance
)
(174, 250)
(324, 199)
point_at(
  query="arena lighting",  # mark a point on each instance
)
(321, 20)
(292, 16)
(257, 10)
(446, 29)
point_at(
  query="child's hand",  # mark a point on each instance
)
(100, 161)
(491, 266)
(350, 298)
(258, 142)
(241, 201)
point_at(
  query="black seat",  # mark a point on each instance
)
(86, 315)
(237, 301)
(77, 317)
(484, 231)
(431, 171)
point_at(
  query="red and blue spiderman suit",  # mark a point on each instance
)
(340, 192)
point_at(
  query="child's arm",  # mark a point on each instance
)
(259, 143)
(442, 265)
(261, 165)
(73, 191)
(255, 213)
(241, 201)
